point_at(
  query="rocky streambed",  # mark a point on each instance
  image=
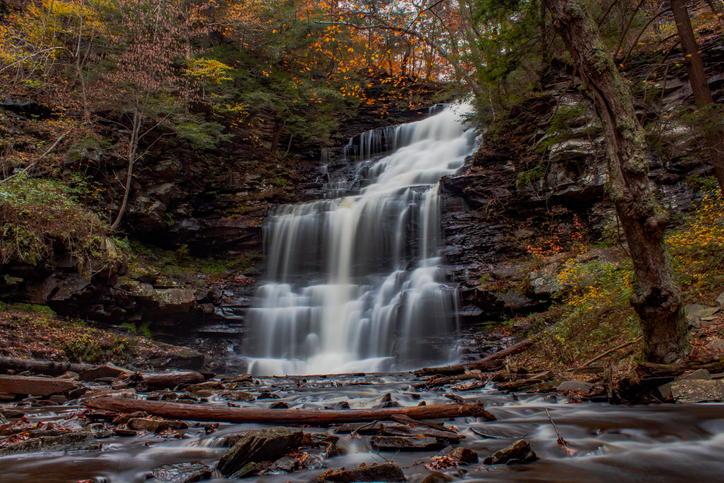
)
(547, 429)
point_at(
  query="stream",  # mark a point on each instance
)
(605, 443)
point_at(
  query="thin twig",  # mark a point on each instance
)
(560, 440)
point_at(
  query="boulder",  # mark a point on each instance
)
(577, 386)
(697, 390)
(698, 315)
(701, 374)
(260, 445)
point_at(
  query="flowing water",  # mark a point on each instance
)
(660, 443)
(351, 283)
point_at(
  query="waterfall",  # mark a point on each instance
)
(352, 282)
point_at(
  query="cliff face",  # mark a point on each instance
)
(542, 182)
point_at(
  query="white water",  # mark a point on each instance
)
(352, 283)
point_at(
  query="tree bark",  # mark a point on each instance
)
(283, 416)
(699, 84)
(656, 297)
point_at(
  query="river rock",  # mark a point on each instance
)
(181, 473)
(518, 452)
(381, 472)
(464, 455)
(392, 443)
(260, 445)
(155, 426)
(698, 390)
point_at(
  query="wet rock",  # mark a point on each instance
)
(577, 386)
(381, 472)
(694, 391)
(35, 386)
(237, 396)
(181, 473)
(77, 441)
(285, 463)
(260, 445)
(209, 385)
(107, 370)
(393, 443)
(154, 426)
(464, 455)
(279, 405)
(319, 439)
(437, 477)
(518, 452)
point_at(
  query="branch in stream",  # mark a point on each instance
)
(285, 416)
(489, 364)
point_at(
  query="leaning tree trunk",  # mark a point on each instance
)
(656, 298)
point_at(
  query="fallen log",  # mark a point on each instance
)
(282, 416)
(162, 380)
(487, 364)
(49, 368)
(35, 386)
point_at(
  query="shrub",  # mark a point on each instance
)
(40, 216)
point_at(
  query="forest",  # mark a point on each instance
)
(331, 213)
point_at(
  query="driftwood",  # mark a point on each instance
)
(442, 381)
(488, 364)
(282, 416)
(49, 368)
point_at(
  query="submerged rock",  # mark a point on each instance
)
(76, 441)
(392, 443)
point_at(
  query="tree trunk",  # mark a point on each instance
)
(692, 59)
(656, 297)
(699, 84)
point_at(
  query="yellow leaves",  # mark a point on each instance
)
(208, 70)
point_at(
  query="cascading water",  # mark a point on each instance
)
(352, 283)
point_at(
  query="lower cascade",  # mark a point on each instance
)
(352, 283)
